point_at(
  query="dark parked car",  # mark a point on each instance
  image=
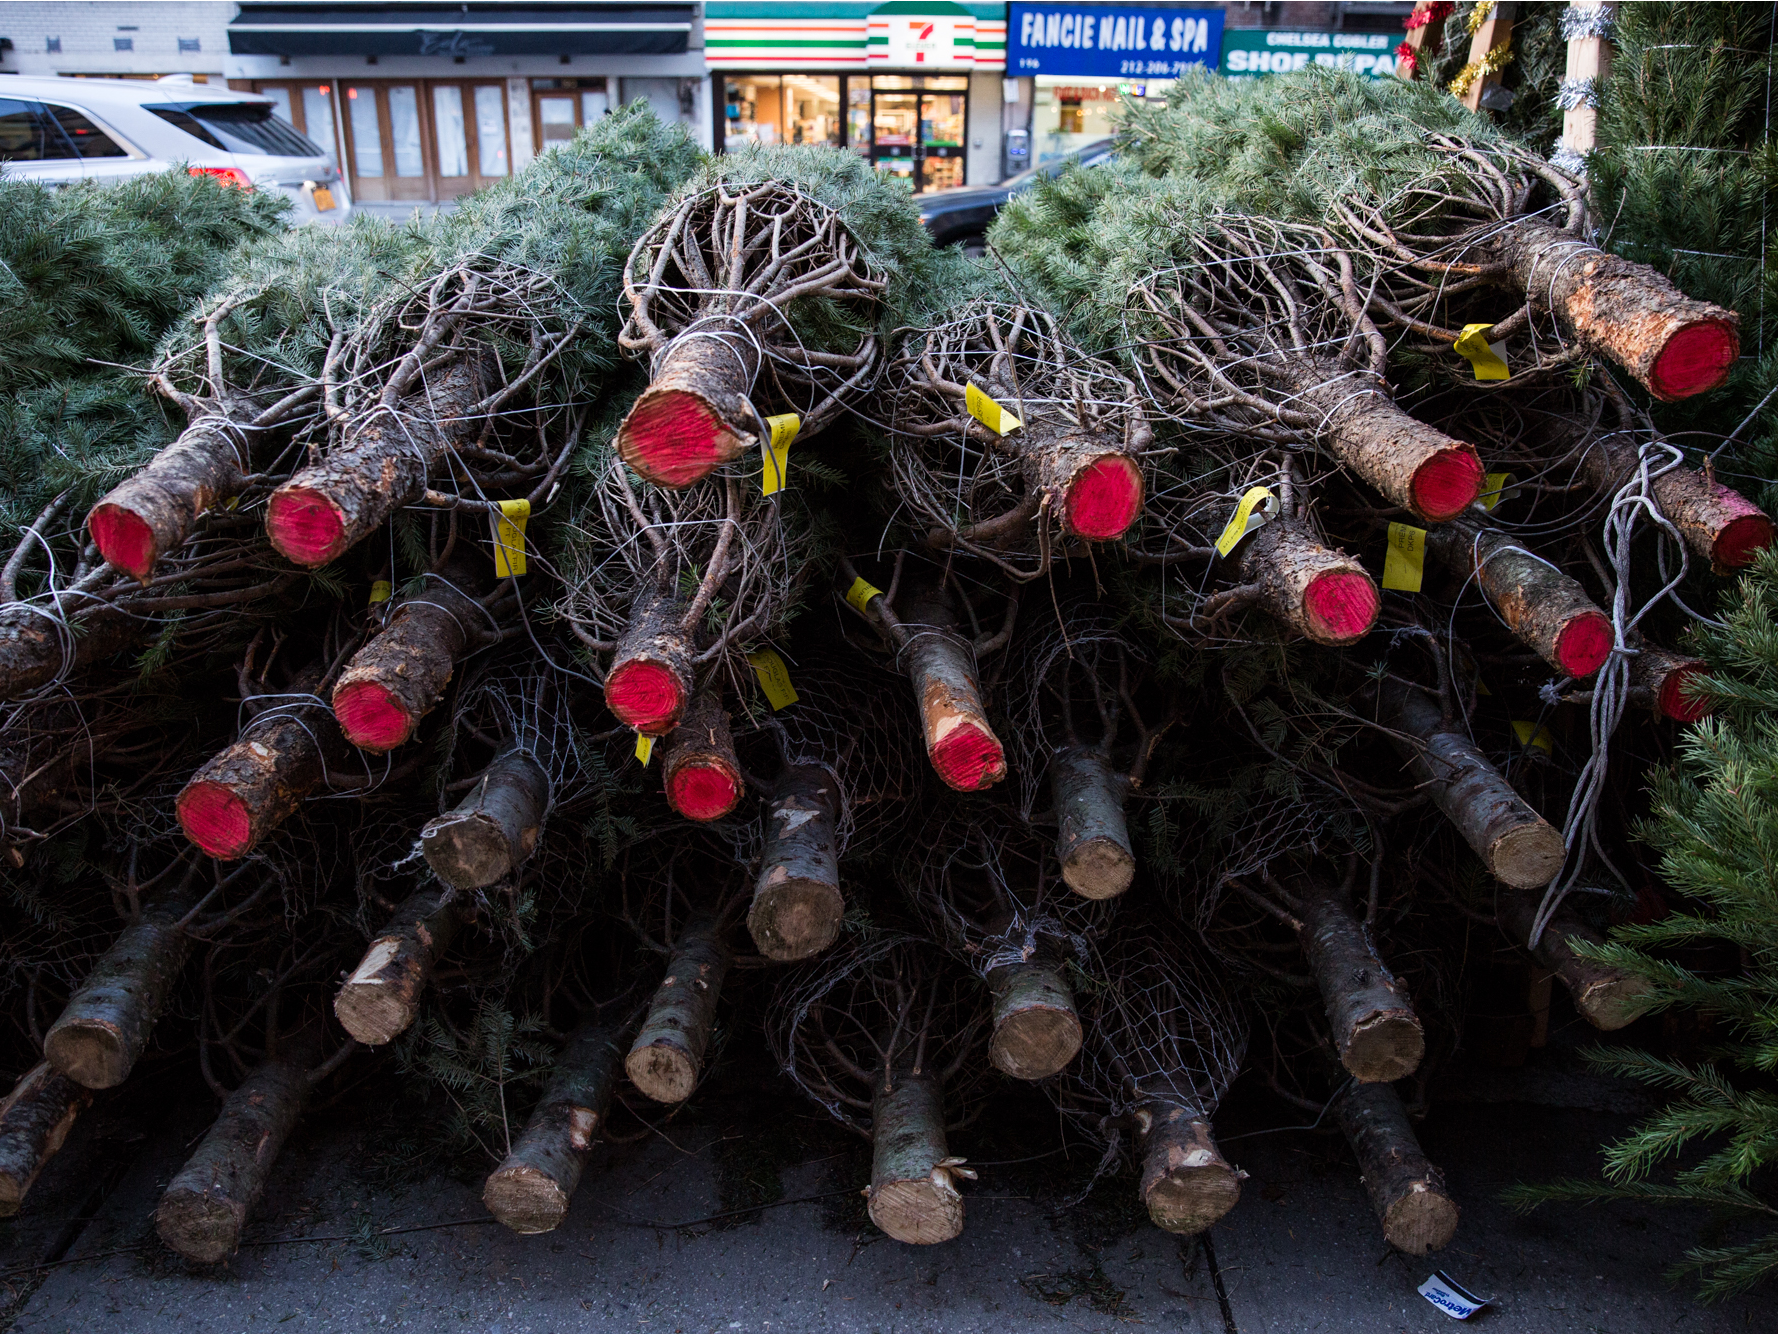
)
(961, 215)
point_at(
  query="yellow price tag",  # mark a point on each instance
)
(381, 591)
(323, 198)
(1487, 358)
(860, 594)
(989, 413)
(1258, 505)
(1529, 734)
(644, 748)
(509, 537)
(774, 678)
(777, 459)
(1404, 566)
(1494, 489)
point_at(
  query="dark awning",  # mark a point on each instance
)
(394, 28)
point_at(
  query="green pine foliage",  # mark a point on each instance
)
(1539, 60)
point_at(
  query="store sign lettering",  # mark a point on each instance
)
(1110, 40)
(1252, 52)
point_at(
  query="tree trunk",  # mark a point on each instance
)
(400, 675)
(1186, 1182)
(381, 998)
(913, 1193)
(1719, 525)
(1658, 681)
(651, 679)
(205, 1209)
(1515, 843)
(34, 1120)
(1374, 1027)
(1036, 1029)
(1408, 462)
(1322, 594)
(668, 1053)
(701, 774)
(1098, 491)
(154, 511)
(1407, 1192)
(383, 462)
(106, 1024)
(531, 1189)
(959, 739)
(694, 416)
(1607, 998)
(1092, 841)
(1673, 345)
(35, 650)
(797, 905)
(1548, 612)
(489, 834)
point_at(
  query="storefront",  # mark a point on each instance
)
(913, 85)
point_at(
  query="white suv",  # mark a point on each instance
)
(59, 131)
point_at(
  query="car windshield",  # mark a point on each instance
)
(245, 127)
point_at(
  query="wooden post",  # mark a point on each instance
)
(1585, 24)
(1426, 37)
(1493, 33)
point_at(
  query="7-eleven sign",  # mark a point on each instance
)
(921, 40)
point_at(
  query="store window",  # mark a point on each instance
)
(432, 140)
(1069, 114)
(560, 107)
(782, 109)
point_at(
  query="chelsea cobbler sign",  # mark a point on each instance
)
(1116, 41)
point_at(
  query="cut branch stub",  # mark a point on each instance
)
(695, 415)
(382, 997)
(650, 680)
(668, 1054)
(1516, 844)
(35, 648)
(400, 675)
(1675, 347)
(701, 774)
(913, 1193)
(1718, 524)
(797, 905)
(34, 1121)
(1659, 680)
(382, 463)
(1607, 997)
(1547, 611)
(1374, 1027)
(960, 742)
(491, 832)
(531, 1189)
(1092, 840)
(1186, 1182)
(107, 1022)
(153, 512)
(1408, 1193)
(1322, 594)
(1036, 1029)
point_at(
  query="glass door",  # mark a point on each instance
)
(917, 130)
(387, 155)
(942, 117)
(895, 136)
(469, 136)
(559, 107)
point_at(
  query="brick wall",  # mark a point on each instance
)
(88, 34)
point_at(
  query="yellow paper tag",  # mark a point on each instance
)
(1404, 567)
(381, 591)
(1258, 505)
(1529, 734)
(644, 748)
(1481, 687)
(1487, 358)
(774, 678)
(509, 537)
(1494, 489)
(777, 454)
(989, 413)
(860, 594)
(323, 198)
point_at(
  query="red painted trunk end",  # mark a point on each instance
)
(1447, 484)
(672, 438)
(970, 758)
(646, 696)
(703, 792)
(371, 717)
(1105, 499)
(1341, 606)
(216, 819)
(123, 538)
(305, 526)
(1696, 360)
(1584, 644)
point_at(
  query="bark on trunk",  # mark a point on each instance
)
(531, 1189)
(651, 678)
(1408, 462)
(490, 833)
(34, 1121)
(383, 462)
(1547, 611)
(399, 676)
(1515, 843)
(1407, 1192)
(106, 1023)
(694, 416)
(1374, 1027)
(154, 511)
(205, 1209)
(1092, 840)
(913, 1193)
(1607, 998)
(383, 995)
(1719, 525)
(1036, 1029)
(1322, 594)
(797, 905)
(1097, 488)
(1658, 681)
(701, 774)
(668, 1053)
(34, 650)
(1186, 1182)
(960, 742)
(1673, 345)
